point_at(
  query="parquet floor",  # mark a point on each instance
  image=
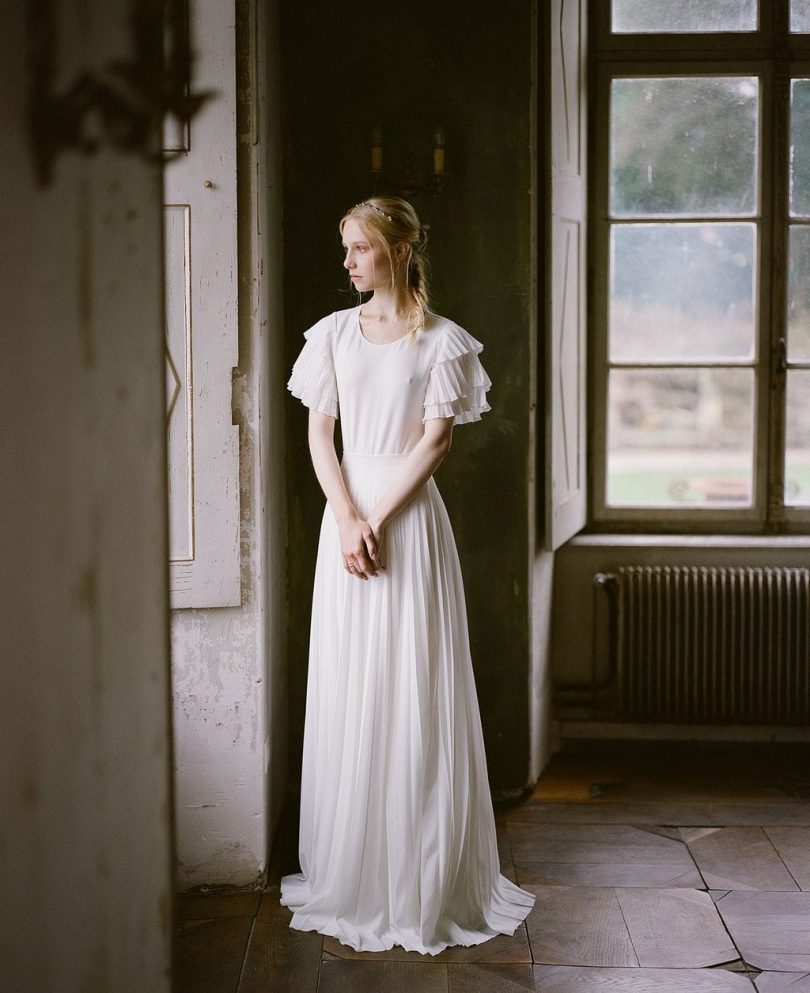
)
(657, 867)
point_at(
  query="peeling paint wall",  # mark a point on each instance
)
(217, 676)
(229, 667)
(85, 833)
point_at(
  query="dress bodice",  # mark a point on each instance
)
(383, 393)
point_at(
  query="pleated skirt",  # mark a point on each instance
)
(397, 835)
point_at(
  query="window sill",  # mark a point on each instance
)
(690, 541)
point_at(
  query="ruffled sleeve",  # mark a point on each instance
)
(458, 382)
(313, 379)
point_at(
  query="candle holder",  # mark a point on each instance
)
(410, 188)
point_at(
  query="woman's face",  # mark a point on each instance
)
(366, 262)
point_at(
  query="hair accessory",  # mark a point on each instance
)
(374, 206)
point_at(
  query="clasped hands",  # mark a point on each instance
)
(360, 547)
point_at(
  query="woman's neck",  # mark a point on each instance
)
(388, 306)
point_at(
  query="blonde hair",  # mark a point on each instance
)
(391, 221)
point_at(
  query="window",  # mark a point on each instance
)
(700, 242)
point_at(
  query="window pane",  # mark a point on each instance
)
(798, 316)
(680, 437)
(644, 16)
(797, 453)
(800, 147)
(800, 15)
(684, 145)
(681, 291)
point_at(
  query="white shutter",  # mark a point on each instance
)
(201, 326)
(566, 274)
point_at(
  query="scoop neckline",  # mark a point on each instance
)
(376, 344)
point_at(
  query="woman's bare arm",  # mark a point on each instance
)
(423, 460)
(358, 544)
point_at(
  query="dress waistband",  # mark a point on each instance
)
(382, 463)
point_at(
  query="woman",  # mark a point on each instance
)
(397, 837)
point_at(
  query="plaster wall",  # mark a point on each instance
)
(217, 676)
(85, 835)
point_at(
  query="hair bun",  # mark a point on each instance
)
(421, 239)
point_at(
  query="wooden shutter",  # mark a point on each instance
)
(565, 316)
(201, 326)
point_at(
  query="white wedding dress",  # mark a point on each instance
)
(397, 836)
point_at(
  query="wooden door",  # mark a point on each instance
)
(566, 433)
(201, 325)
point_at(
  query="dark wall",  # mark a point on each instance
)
(408, 67)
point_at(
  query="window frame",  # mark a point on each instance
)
(773, 56)
(796, 518)
(685, 43)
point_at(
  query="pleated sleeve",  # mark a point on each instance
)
(313, 379)
(458, 383)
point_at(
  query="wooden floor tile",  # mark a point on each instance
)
(578, 925)
(740, 858)
(508, 870)
(566, 979)
(776, 812)
(667, 767)
(608, 843)
(594, 874)
(210, 953)
(688, 792)
(280, 958)
(199, 906)
(666, 831)
(503, 840)
(269, 904)
(600, 855)
(490, 979)
(793, 846)
(675, 928)
(771, 930)
(344, 976)
(783, 982)
(503, 948)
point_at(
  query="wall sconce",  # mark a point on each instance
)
(376, 153)
(435, 183)
(438, 158)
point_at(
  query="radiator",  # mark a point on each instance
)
(712, 645)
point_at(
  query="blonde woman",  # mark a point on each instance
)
(397, 835)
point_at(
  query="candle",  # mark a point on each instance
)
(376, 149)
(438, 151)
